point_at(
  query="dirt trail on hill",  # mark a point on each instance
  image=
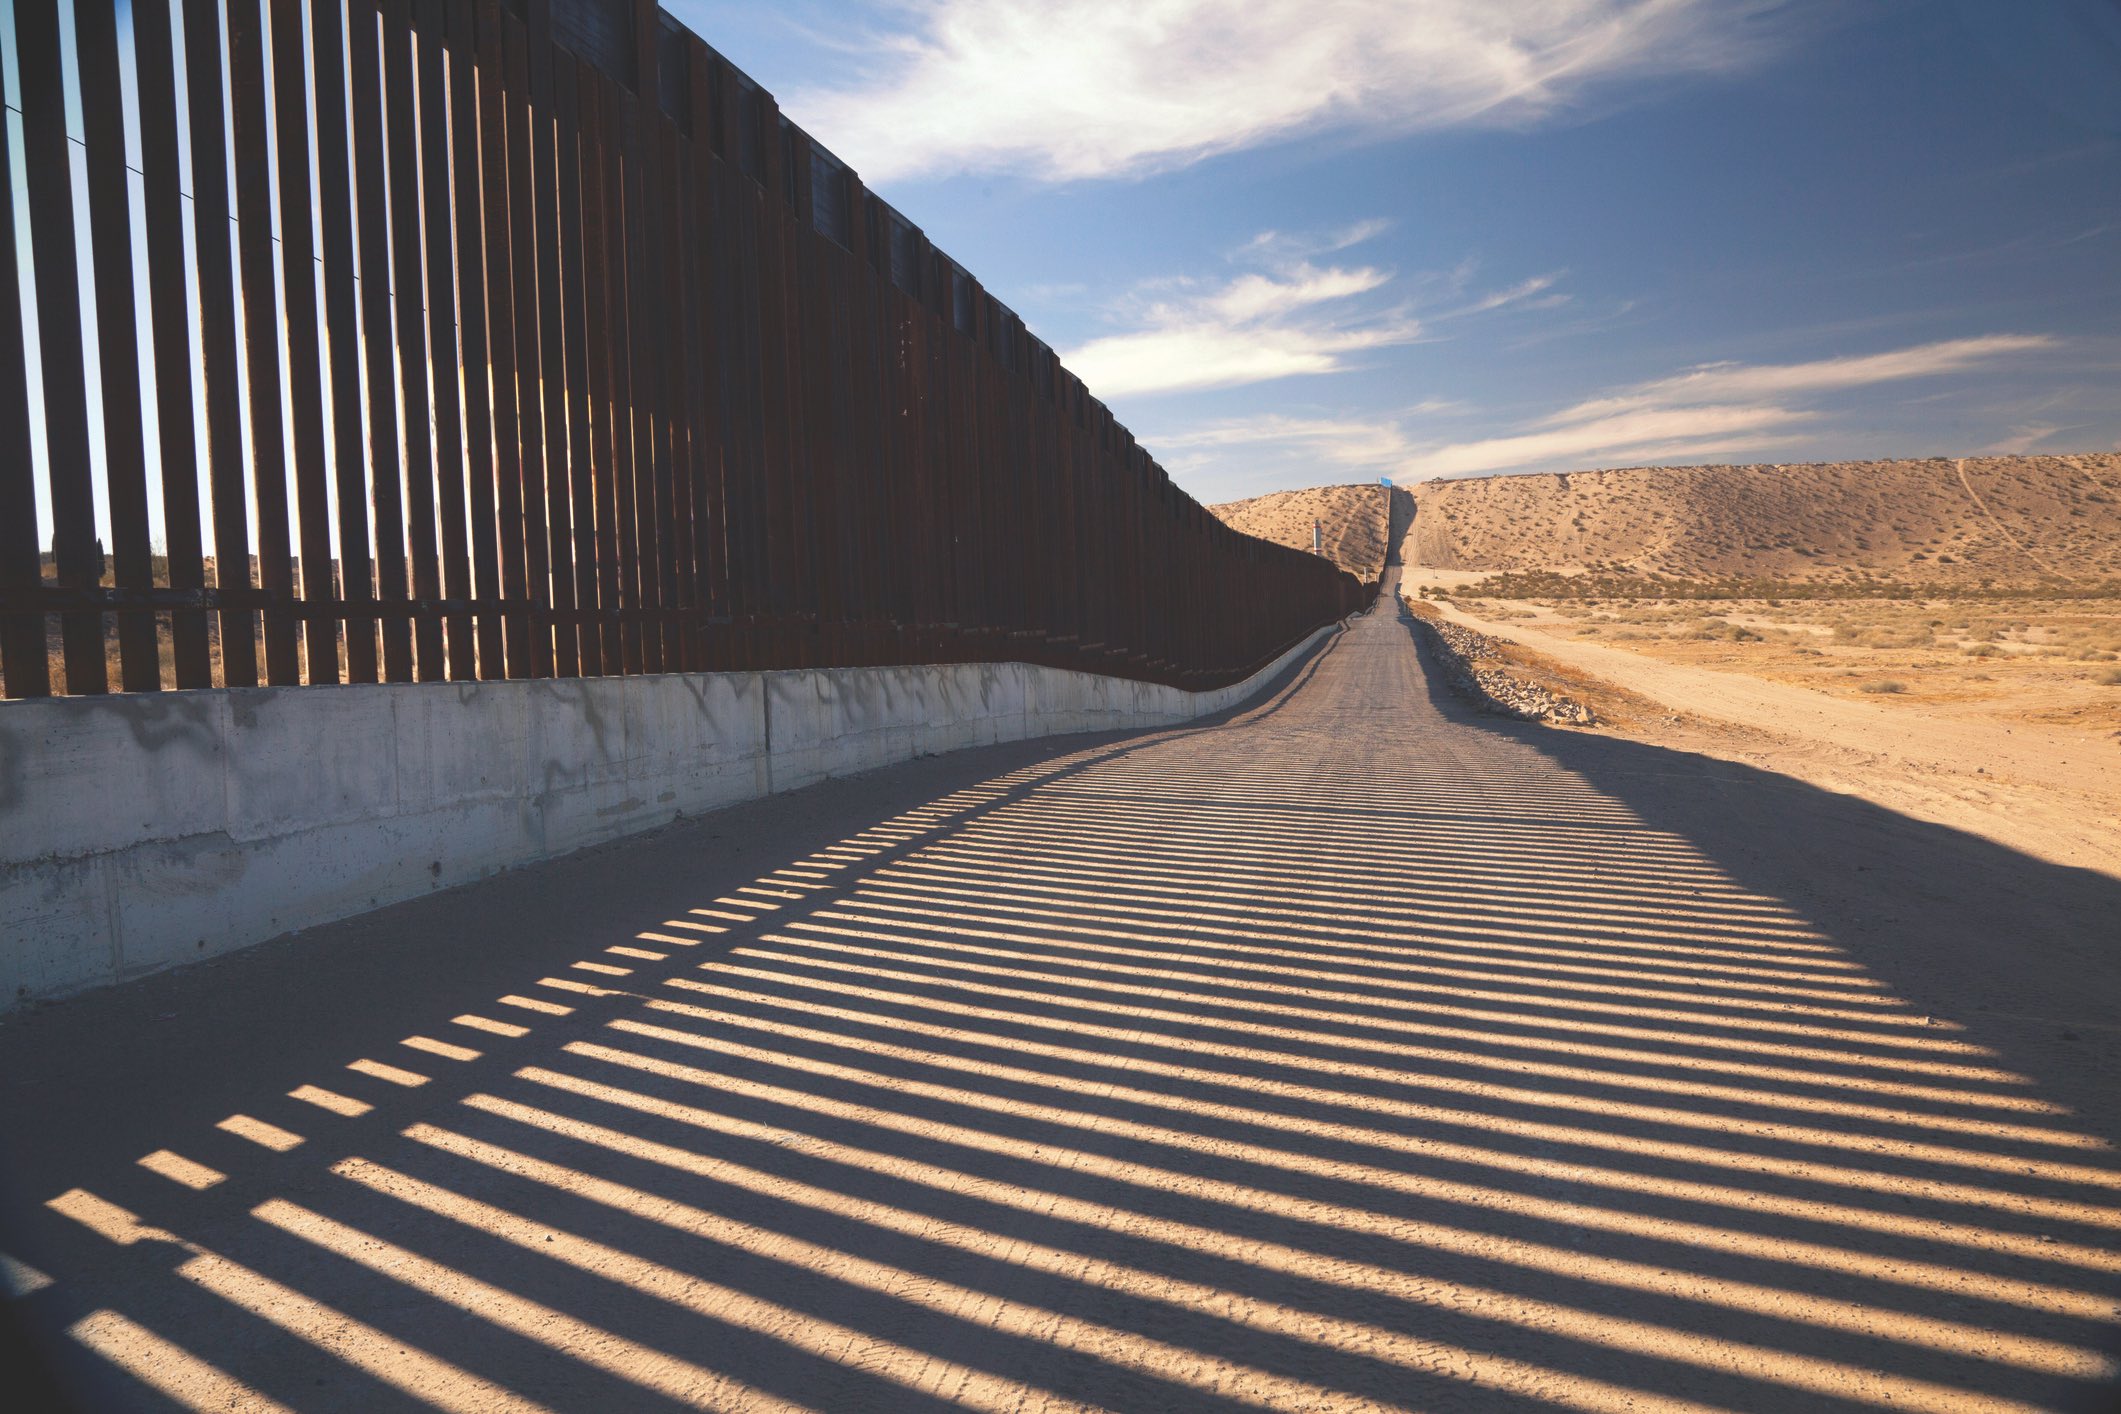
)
(1959, 466)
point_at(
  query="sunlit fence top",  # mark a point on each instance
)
(451, 339)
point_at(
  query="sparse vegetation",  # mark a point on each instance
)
(1544, 584)
(2028, 522)
(2035, 651)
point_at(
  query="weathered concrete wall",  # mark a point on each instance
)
(139, 832)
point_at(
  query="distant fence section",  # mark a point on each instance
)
(463, 339)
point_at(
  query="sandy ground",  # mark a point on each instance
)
(1352, 1052)
(2052, 792)
(2052, 661)
(2011, 519)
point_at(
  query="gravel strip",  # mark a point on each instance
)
(1471, 663)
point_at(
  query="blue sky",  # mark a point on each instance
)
(1293, 243)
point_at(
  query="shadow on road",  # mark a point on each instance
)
(1481, 1066)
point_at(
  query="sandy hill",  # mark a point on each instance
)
(2005, 519)
(1360, 523)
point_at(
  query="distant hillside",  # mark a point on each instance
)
(1358, 521)
(2006, 519)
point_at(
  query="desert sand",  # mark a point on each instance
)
(2048, 790)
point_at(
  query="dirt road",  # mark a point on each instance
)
(1353, 1052)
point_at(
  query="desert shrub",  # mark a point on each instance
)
(2110, 678)
(1981, 650)
(1885, 685)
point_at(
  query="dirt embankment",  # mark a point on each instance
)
(1946, 521)
(1362, 526)
(1486, 671)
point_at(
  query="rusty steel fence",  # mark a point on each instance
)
(456, 339)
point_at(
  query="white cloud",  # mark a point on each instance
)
(1289, 315)
(1294, 317)
(1254, 297)
(1070, 89)
(1208, 354)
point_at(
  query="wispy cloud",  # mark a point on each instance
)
(2023, 439)
(1720, 382)
(1646, 435)
(1291, 313)
(1293, 317)
(1071, 89)
(1303, 245)
(1532, 293)
(1713, 410)
(1353, 443)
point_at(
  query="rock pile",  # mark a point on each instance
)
(1471, 662)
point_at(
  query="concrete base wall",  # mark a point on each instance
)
(140, 832)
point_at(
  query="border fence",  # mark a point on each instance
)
(398, 340)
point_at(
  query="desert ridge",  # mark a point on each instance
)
(1359, 523)
(2002, 520)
